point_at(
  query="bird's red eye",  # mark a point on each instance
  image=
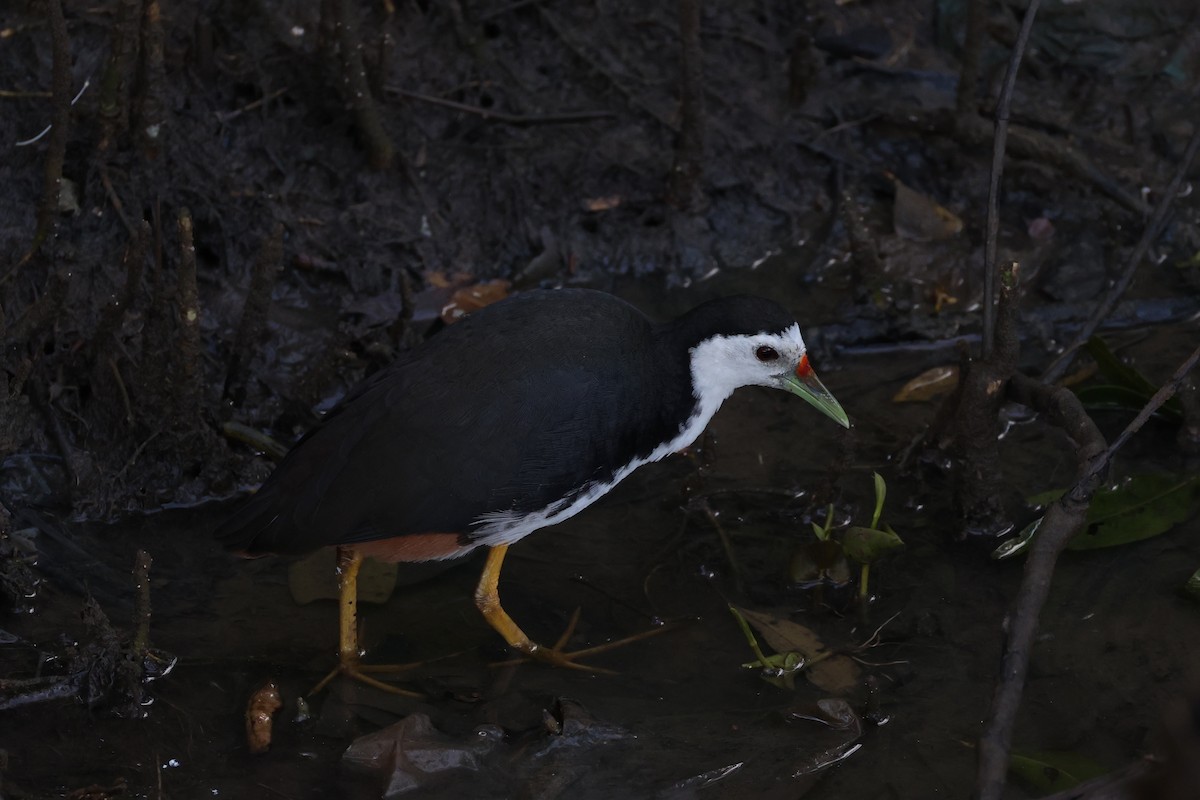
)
(766, 353)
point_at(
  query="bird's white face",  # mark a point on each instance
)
(722, 364)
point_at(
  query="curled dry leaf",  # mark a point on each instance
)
(929, 384)
(259, 713)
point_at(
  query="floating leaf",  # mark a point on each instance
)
(783, 635)
(1142, 507)
(931, 383)
(1050, 771)
(837, 675)
(866, 545)
(799, 649)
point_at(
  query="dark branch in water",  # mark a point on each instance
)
(1063, 519)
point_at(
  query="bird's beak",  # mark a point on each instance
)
(805, 383)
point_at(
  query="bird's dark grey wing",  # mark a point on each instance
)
(395, 462)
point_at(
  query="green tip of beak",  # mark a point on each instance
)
(814, 392)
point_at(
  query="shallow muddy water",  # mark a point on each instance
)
(681, 717)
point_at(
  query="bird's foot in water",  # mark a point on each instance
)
(556, 656)
(358, 672)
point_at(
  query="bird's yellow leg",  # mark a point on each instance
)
(349, 561)
(487, 599)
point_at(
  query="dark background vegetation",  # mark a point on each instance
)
(253, 204)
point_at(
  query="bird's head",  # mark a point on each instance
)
(722, 363)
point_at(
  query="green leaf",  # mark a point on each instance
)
(1050, 771)
(880, 495)
(1129, 386)
(1122, 398)
(819, 562)
(823, 532)
(866, 545)
(1140, 508)
(1117, 371)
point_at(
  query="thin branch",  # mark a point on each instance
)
(56, 148)
(968, 76)
(1063, 519)
(189, 388)
(685, 186)
(563, 118)
(1060, 365)
(1003, 104)
(355, 88)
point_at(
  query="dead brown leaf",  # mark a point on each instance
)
(602, 203)
(838, 675)
(783, 635)
(931, 383)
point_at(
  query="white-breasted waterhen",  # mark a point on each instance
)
(514, 419)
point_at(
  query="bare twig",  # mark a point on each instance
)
(117, 77)
(1165, 392)
(41, 312)
(354, 84)
(1154, 227)
(226, 116)
(968, 76)
(610, 71)
(56, 148)
(190, 386)
(1022, 143)
(254, 313)
(563, 118)
(153, 111)
(685, 187)
(1003, 106)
